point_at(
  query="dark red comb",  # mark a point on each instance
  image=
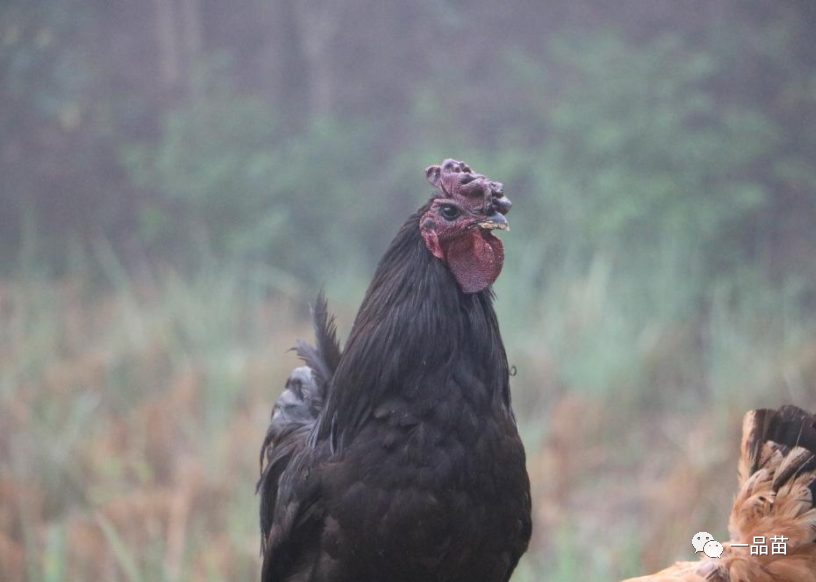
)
(455, 179)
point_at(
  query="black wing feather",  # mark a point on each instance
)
(295, 413)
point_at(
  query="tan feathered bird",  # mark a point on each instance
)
(777, 488)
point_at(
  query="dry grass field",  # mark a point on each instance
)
(131, 416)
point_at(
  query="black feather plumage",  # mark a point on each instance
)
(413, 470)
(325, 356)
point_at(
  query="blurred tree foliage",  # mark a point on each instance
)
(674, 138)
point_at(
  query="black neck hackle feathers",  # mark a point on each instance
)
(414, 322)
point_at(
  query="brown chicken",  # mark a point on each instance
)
(777, 482)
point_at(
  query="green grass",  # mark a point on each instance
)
(131, 412)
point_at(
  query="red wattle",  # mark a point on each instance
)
(476, 260)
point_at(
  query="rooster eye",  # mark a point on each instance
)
(449, 212)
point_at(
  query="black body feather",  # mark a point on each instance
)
(412, 470)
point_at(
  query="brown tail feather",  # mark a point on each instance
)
(777, 476)
(789, 426)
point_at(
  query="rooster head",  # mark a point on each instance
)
(458, 226)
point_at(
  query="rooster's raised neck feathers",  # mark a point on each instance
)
(417, 322)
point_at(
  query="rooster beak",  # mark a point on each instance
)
(495, 221)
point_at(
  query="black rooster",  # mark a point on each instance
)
(399, 459)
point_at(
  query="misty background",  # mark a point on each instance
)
(178, 178)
